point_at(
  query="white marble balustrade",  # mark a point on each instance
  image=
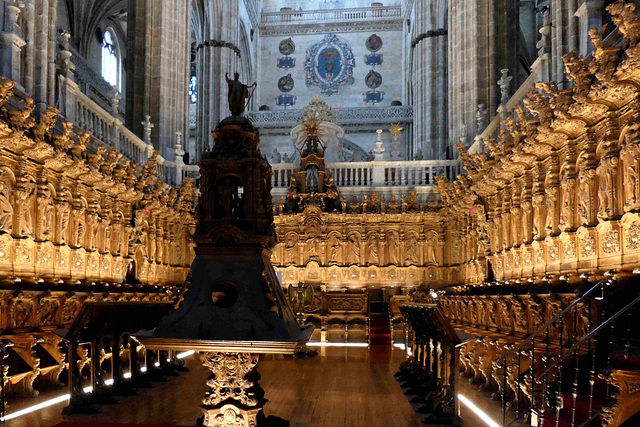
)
(331, 15)
(376, 174)
(111, 132)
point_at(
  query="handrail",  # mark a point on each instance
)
(556, 317)
(589, 336)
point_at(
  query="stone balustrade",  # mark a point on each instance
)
(390, 178)
(85, 113)
(94, 85)
(374, 13)
(539, 73)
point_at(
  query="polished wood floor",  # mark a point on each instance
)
(341, 387)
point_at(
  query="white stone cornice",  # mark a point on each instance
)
(331, 27)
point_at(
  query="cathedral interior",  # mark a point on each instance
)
(319, 213)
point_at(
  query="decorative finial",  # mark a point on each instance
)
(379, 150)
(147, 126)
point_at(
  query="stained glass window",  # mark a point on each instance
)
(110, 62)
(193, 89)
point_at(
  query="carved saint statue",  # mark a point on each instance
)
(335, 252)
(238, 92)
(584, 197)
(290, 246)
(229, 198)
(430, 255)
(312, 248)
(411, 256)
(6, 209)
(566, 204)
(606, 173)
(392, 248)
(353, 250)
(372, 250)
(629, 159)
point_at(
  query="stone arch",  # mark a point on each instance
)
(245, 63)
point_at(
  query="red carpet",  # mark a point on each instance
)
(379, 330)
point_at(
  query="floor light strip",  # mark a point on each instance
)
(185, 354)
(37, 407)
(337, 344)
(479, 412)
(66, 397)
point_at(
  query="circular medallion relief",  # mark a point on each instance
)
(373, 80)
(373, 43)
(286, 83)
(329, 64)
(287, 46)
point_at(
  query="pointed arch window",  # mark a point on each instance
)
(193, 89)
(110, 59)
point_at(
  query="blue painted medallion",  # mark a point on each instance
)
(329, 64)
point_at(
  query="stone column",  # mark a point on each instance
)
(40, 47)
(11, 43)
(216, 54)
(589, 16)
(158, 69)
(429, 80)
(469, 47)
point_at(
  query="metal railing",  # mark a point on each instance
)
(532, 369)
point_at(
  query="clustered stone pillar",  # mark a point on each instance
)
(28, 47)
(469, 62)
(158, 78)
(483, 41)
(11, 43)
(429, 77)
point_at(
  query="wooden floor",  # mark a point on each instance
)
(341, 387)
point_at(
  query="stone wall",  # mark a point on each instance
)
(348, 95)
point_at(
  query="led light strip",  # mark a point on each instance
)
(479, 412)
(37, 407)
(185, 354)
(66, 397)
(337, 344)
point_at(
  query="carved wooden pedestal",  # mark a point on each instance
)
(234, 398)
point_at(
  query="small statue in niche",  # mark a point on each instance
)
(230, 198)
(312, 180)
(238, 92)
(418, 155)
(335, 255)
(276, 157)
